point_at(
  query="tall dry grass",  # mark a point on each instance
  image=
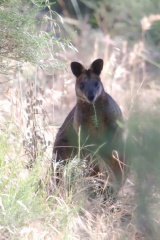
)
(33, 105)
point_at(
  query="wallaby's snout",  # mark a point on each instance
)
(91, 96)
(94, 90)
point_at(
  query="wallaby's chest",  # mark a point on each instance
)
(94, 125)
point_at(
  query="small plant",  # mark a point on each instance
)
(94, 118)
(35, 143)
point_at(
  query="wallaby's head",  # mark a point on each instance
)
(88, 84)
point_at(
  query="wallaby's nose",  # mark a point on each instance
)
(91, 96)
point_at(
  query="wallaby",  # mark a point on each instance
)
(97, 117)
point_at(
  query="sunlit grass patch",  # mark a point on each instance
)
(32, 206)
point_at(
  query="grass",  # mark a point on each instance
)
(31, 206)
(19, 201)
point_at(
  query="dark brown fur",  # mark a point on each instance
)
(104, 137)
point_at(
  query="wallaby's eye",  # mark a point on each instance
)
(81, 86)
(96, 84)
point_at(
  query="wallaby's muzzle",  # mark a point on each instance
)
(91, 96)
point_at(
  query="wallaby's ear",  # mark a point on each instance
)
(77, 68)
(97, 66)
